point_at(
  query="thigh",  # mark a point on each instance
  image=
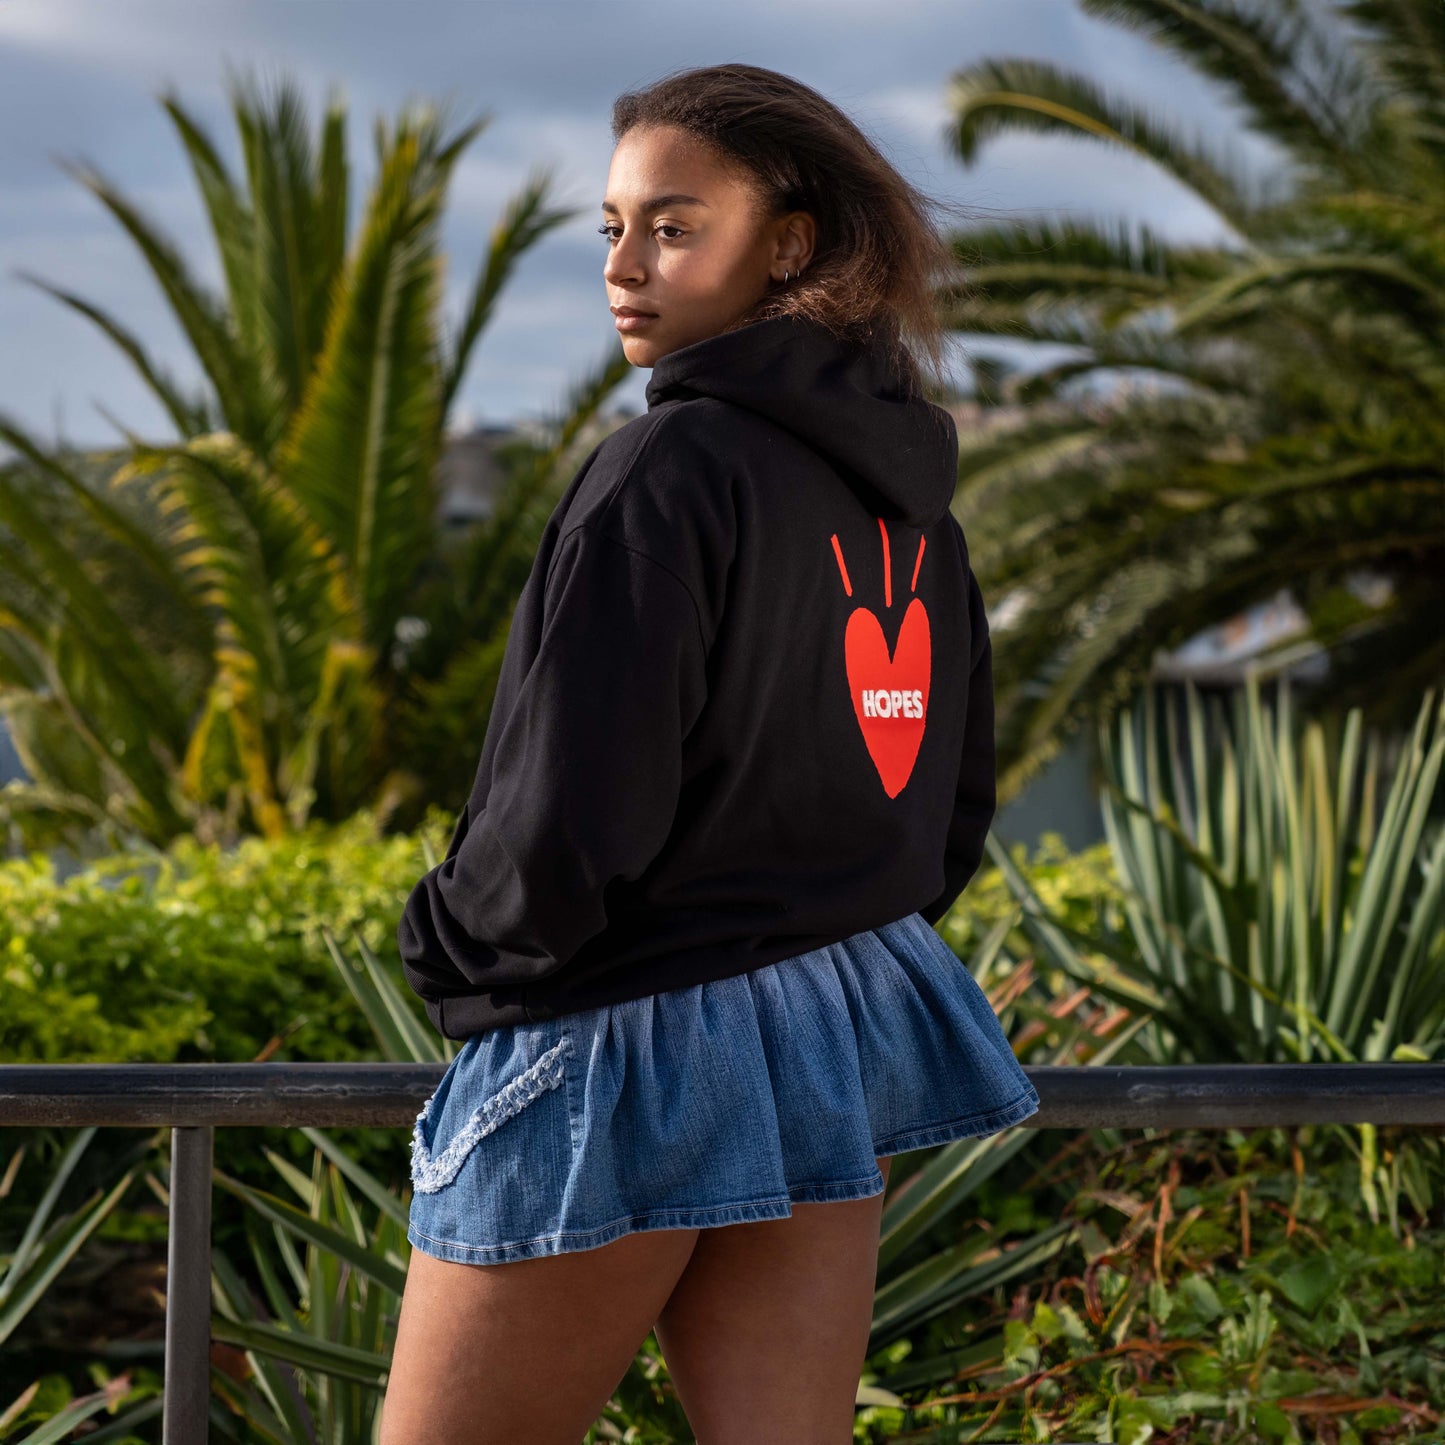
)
(528, 1349)
(766, 1333)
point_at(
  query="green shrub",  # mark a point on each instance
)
(1079, 890)
(200, 953)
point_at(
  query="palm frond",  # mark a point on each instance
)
(999, 96)
(524, 222)
(229, 212)
(246, 399)
(362, 446)
(1298, 79)
(190, 415)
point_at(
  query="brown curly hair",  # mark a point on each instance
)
(879, 257)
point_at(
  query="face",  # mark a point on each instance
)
(688, 242)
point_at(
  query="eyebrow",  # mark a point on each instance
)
(657, 203)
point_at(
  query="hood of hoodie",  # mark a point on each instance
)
(844, 400)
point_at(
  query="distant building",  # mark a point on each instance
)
(1222, 655)
(470, 476)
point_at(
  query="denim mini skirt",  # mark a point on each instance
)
(719, 1103)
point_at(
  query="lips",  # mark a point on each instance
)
(629, 321)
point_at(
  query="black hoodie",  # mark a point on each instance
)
(746, 705)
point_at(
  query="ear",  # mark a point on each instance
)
(797, 239)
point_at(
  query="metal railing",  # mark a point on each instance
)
(193, 1100)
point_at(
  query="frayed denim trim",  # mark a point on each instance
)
(430, 1173)
(969, 1126)
(568, 1241)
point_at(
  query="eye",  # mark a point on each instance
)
(610, 229)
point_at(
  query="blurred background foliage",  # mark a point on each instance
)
(262, 621)
(1284, 418)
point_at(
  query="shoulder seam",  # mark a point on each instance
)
(648, 434)
(591, 529)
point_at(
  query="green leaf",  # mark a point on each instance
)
(364, 1179)
(24, 1288)
(329, 1241)
(305, 1351)
(1308, 1284)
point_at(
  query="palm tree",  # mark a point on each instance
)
(1292, 431)
(256, 623)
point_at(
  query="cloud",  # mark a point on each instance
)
(79, 79)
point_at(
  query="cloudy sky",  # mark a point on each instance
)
(81, 80)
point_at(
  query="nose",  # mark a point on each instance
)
(621, 264)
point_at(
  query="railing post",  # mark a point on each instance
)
(192, 1099)
(187, 1382)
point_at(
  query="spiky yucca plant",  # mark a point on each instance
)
(1283, 896)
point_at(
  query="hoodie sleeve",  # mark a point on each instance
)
(975, 800)
(584, 781)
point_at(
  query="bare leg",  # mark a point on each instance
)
(529, 1349)
(767, 1330)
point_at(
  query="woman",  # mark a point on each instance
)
(741, 759)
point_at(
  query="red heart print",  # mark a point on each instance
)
(890, 694)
